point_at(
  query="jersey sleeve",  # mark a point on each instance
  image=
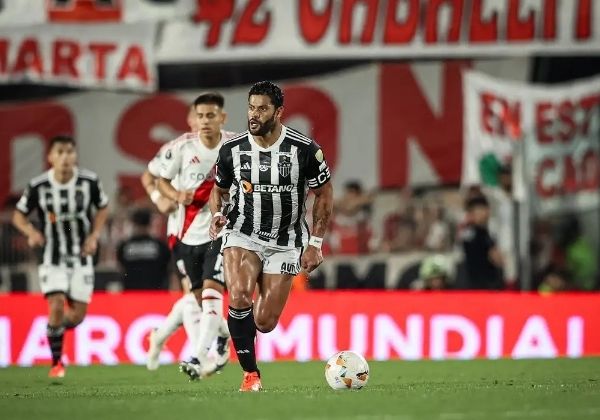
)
(224, 165)
(154, 165)
(170, 162)
(29, 200)
(98, 196)
(317, 171)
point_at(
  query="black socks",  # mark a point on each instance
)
(243, 331)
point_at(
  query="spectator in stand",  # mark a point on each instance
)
(400, 227)
(119, 226)
(143, 258)
(554, 280)
(352, 213)
(502, 220)
(438, 234)
(13, 245)
(483, 259)
(580, 258)
(434, 273)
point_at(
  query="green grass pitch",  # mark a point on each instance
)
(448, 390)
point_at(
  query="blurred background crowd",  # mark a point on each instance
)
(450, 238)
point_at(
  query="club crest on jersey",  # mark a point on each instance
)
(284, 168)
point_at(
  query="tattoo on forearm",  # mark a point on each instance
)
(321, 216)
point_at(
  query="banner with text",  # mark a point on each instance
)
(385, 119)
(30, 12)
(233, 30)
(114, 56)
(315, 325)
(558, 126)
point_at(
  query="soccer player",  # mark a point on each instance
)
(191, 159)
(270, 168)
(71, 206)
(186, 311)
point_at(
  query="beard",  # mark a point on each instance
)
(263, 128)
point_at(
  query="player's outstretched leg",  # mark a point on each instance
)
(210, 325)
(223, 345)
(191, 314)
(159, 336)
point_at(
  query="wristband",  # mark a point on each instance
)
(155, 196)
(315, 241)
(217, 214)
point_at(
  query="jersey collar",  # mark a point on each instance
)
(274, 146)
(69, 183)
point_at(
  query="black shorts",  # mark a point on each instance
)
(202, 262)
(178, 260)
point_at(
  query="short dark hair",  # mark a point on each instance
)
(269, 89)
(210, 98)
(61, 139)
(477, 201)
(141, 217)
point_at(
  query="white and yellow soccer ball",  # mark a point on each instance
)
(347, 370)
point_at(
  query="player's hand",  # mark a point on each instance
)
(185, 197)
(311, 258)
(35, 239)
(90, 246)
(216, 224)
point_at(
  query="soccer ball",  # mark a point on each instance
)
(347, 370)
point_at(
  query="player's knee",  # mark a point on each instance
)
(56, 303)
(240, 297)
(266, 324)
(76, 319)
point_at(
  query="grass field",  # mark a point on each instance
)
(477, 390)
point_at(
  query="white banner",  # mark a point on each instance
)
(559, 127)
(115, 56)
(234, 30)
(31, 12)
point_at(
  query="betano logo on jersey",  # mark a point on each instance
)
(248, 188)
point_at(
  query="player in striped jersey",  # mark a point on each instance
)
(191, 159)
(268, 171)
(72, 208)
(186, 310)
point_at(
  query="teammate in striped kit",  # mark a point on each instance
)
(268, 171)
(191, 159)
(72, 208)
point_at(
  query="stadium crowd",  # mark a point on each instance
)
(467, 235)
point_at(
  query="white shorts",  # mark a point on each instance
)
(275, 260)
(77, 282)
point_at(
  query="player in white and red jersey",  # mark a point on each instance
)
(191, 160)
(186, 310)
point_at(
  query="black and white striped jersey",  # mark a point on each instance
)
(270, 186)
(66, 213)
